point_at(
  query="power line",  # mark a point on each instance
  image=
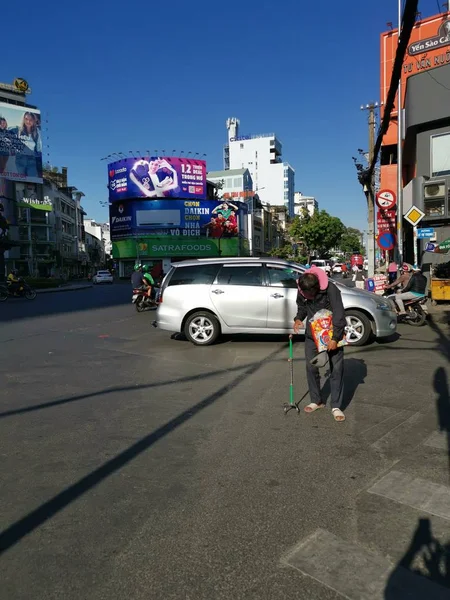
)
(408, 22)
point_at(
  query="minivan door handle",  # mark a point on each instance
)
(218, 292)
(277, 296)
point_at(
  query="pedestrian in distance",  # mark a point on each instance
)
(316, 293)
(358, 277)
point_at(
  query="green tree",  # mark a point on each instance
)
(285, 252)
(322, 232)
(297, 225)
(350, 242)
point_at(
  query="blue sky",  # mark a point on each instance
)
(167, 76)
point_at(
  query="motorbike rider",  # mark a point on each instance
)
(147, 280)
(136, 276)
(403, 279)
(414, 288)
(13, 281)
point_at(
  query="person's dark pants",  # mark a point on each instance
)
(336, 366)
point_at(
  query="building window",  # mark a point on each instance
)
(440, 155)
(241, 146)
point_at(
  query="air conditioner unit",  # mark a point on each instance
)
(434, 190)
(158, 218)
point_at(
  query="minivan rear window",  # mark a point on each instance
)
(194, 275)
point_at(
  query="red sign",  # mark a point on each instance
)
(386, 199)
(386, 220)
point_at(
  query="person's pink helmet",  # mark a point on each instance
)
(321, 276)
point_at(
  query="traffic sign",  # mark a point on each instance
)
(387, 240)
(414, 215)
(430, 247)
(386, 199)
(443, 247)
(426, 232)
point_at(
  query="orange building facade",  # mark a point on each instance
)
(425, 79)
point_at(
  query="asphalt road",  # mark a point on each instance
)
(137, 466)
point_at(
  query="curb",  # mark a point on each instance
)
(64, 289)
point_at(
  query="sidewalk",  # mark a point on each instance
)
(440, 313)
(66, 288)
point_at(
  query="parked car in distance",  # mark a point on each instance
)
(337, 268)
(204, 298)
(103, 277)
(322, 264)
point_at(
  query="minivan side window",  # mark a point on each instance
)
(282, 277)
(194, 275)
(245, 275)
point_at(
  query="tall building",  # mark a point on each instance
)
(273, 179)
(26, 239)
(302, 202)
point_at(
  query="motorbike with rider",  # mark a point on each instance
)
(144, 290)
(16, 287)
(410, 300)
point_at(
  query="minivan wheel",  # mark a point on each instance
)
(358, 329)
(202, 328)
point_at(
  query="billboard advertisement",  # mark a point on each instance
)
(169, 228)
(27, 195)
(20, 143)
(156, 177)
(186, 218)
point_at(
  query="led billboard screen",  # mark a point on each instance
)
(20, 143)
(185, 218)
(155, 177)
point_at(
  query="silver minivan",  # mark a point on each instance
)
(204, 298)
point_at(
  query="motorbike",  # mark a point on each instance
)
(24, 291)
(142, 301)
(416, 310)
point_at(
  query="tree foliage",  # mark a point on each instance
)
(319, 233)
(350, 241)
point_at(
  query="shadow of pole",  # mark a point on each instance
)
(13, 534)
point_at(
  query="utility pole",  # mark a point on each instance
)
(369, 190)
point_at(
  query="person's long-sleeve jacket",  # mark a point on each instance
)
(329, 299)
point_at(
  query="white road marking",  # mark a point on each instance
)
(416, 492)
(357, 573)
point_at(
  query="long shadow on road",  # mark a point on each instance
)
(18, 530)
(57, 303)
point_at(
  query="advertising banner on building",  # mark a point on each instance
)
(27, 194)
(20, 143)
(142, 247)
(156, 177)
(185, 218)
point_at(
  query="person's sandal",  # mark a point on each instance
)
(313, 407)
(338, 415)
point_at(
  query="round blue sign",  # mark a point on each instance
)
(387, 241)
